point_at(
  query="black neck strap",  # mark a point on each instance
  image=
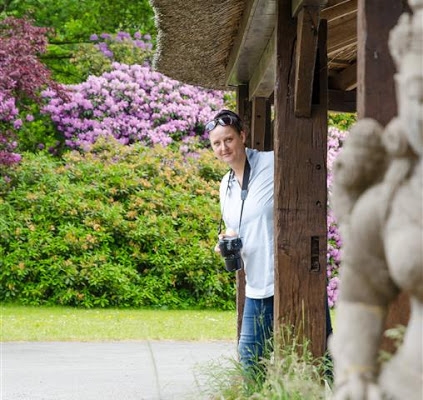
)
(244, 192)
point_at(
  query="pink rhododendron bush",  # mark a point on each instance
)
(8, 121)
(133, 104)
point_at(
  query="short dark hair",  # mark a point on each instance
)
(238, 122)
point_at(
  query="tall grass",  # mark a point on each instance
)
(290, 373)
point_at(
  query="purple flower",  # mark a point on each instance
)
(17, 124)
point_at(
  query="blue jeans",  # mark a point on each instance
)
(256, 330)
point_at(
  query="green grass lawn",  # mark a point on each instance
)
(26, 323)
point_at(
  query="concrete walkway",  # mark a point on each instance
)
(145, 370)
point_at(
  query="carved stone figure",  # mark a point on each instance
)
(378, 201)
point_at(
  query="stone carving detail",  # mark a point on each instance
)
(378, 201)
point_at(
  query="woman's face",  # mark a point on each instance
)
(228, 145)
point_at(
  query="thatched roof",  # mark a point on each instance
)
(195, 38)
(218, 43)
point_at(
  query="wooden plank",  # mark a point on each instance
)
(307, 30)
(332, 3)
(255, 30)
(239, 42)
(339, 10)
(268, 138)
(258, 123)
(342, 32)
(244, 108)
(376, 96)
(262, 82)
(300, 196)
(244, 111)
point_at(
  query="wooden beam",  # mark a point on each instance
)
(239, 42)
(343, 32)
(244, 111)
(342, 101)
(307, 30)
(268, 138)
(339, 10)
(331, 3)
(254, 32)
(297, 5)
(376, 88)
(337, 64)
(345, 79)
(258, 123)
(262, 83)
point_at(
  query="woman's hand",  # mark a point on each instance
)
(228, 233)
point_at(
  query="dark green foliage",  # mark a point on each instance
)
(37, 133)
(74, 21)
(119, 226)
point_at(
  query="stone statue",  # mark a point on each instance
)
(378, 202)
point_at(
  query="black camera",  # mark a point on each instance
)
(230, 249)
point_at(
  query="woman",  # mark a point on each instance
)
(252, 220)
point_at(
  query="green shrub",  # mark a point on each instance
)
(37, 131)
(122, 226)
(342, 121)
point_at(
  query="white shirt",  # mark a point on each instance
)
(256, 229)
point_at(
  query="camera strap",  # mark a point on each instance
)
(244, 189)
(244, 192)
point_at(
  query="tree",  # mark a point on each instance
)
(22, 72)
(23, 77)
(74, 22)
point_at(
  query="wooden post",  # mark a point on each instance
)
(244, 107)
(376, 92)
(258, 123)
(300, 192)
(244, 111)
(256, 118)
(268, 138)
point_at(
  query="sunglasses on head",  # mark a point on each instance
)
(224, 120)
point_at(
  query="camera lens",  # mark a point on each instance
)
(230, 248)
(233, 264)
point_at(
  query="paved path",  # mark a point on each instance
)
(145, 370)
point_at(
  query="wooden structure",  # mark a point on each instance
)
(290, 61)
